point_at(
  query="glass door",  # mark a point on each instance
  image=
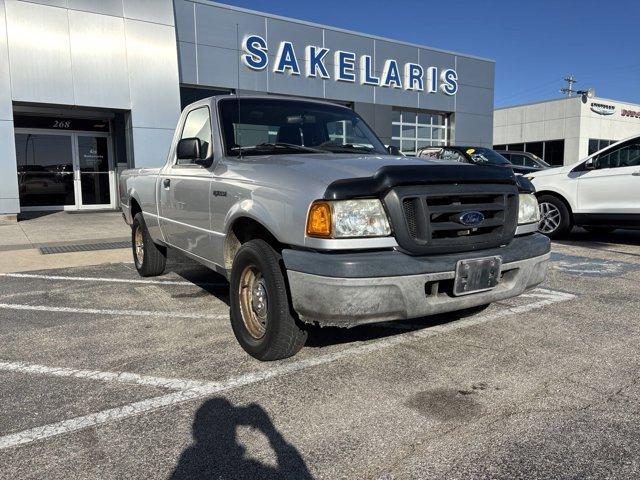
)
(94, 177)
(45, 170)
(64, 171)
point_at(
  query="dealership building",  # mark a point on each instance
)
(566, 130)
(91, 87)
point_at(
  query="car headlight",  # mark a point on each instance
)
(528, 211)
(347, 219)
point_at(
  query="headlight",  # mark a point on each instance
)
(348, 219)
(528, 209)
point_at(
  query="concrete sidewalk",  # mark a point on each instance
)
(20, 242)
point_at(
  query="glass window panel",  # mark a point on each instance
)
(535, 148)
(408, 146)
(423, 143)
(198, 125)
(593, 145)
(395, 130)
(395, 142)
(424, 132)
(553, 152)
(517, 147)
(408, 131)
(438, 119)
(395, 116)
(438, 134)
(408, 117)
(424, 118)
(499, 147)
(45, 170)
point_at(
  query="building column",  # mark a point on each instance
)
(9, 196)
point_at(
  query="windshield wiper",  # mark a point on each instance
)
(348, 148)
(264, 147)
(288, 146)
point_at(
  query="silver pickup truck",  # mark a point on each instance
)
(314, 222)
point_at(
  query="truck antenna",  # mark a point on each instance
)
(235, 132)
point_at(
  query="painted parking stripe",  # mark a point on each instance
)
(210, 388)
(121, 377)
(100, 311)
(109, 279)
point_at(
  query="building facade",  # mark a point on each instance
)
(90, 87)
(566, 130)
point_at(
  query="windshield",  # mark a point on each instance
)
(486, 156)
(274, 126)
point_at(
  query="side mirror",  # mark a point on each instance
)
(188, 149)
(590, 164)
(393, 150)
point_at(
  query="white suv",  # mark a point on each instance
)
(600, 193)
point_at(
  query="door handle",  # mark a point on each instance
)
(166, 183)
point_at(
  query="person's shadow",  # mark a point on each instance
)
(216, 453)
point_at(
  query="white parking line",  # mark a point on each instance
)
(108, 279)
(99, 311)
(122, 377)
(210, 388)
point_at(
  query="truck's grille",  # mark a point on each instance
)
(427, 219)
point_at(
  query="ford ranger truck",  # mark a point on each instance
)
(302, 208)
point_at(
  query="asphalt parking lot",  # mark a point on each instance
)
(107, 375)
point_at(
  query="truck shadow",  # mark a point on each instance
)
(217, 451)
(325, 336)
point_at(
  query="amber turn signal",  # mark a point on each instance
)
(319, 220)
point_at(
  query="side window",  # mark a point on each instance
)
(517, 159)
(198, 125)
(627, 156)
(528, 162)
(452, 155)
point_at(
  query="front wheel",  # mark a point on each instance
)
(260, 314)
(555, 218)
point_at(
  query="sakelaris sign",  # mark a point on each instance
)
(347, 67)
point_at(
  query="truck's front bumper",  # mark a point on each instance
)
(352, 289)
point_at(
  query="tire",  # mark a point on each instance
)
(265, 330)
(149, 258)
(598, 230)
(556, 220)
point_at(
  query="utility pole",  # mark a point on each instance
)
(568, 90)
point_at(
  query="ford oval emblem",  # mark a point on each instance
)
(471, 219)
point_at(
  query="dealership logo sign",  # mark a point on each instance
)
(347, 67)
(602, 109)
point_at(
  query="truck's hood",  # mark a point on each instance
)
(321, 170)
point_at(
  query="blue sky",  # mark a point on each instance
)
(534, 43)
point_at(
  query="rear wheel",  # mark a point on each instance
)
(555, 218)
(260, 314)
(150, 259)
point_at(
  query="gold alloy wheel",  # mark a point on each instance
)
(139, 245)
(252, 292)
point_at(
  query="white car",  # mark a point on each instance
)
(600, 193)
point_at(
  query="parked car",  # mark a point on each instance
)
(315, 228)
(600, 193)
(524, 160)
(469, 154)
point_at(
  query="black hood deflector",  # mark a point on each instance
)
(389, 177)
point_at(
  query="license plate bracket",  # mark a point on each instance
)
(477, 275)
